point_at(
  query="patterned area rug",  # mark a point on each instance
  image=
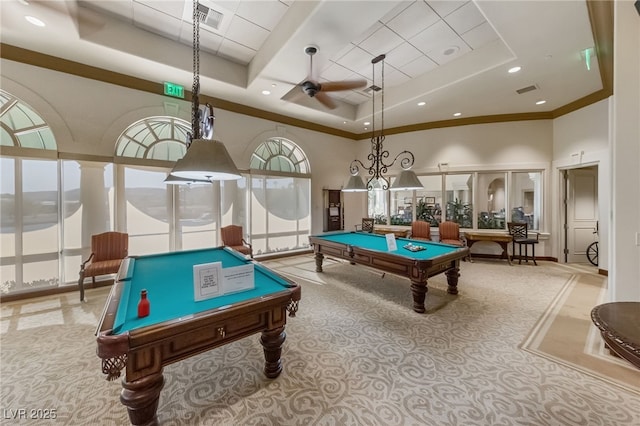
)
(356, 354)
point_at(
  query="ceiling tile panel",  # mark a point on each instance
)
(357, 60)
(157, 22)
(445, 7)
(480, 35)
(173, 8)
(382, 41)
(402, 55)
(246, 33)
(434, 37)
(418, 66)
(465, 18)
(337, 72)
(413, 20)
(230, 5)
(236, 52)
(266, 13)
(209, 41)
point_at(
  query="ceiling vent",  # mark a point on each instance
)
(369, 90)
(527, 89)
(210, 17)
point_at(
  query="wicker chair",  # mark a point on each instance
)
(420, 230)
(232, 238)
(107, 251)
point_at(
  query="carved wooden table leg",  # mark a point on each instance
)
(319, 257)
(452, 280)
(419, 290)
(141, 398)
(272, 341)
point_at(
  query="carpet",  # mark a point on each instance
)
(355, 354)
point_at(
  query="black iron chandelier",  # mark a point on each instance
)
(378, 168)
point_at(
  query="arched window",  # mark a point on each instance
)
(279, 155)
(154, 138)
(22, 126)
(280, 197)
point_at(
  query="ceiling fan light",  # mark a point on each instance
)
(206, 160)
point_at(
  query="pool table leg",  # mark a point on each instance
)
(141, 398)
(272, 341)
(419, 290)
(452, 280)
(319, 257)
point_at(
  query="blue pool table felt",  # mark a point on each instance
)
(379, 243)
(168, 279)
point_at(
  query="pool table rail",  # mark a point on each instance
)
(143, 352)
(418, 269)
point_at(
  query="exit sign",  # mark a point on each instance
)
(171, 89)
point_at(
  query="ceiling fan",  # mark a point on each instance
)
(318, 90)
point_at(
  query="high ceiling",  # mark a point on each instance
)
(452, 55)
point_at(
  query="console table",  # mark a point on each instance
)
(619, 324)
(501, 239)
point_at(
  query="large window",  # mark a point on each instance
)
(526, 198)
(500, 197)
(491, 200)
(280, 201)
(30, 226)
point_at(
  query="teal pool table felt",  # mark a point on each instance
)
(378, 242)
(168, 279)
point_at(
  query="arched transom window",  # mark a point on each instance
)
(156, 138)
(22, 127)
(281, 155)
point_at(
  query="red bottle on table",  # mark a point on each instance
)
(143, 305)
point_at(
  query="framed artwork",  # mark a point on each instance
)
(430, 200)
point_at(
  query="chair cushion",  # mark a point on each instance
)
(102, 268)
(241, 249)
(453, 242)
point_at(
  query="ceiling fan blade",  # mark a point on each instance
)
(325, 100)
(335, 86)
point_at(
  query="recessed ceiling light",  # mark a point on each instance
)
(366, 123)
(514, 69)
(457, 114)
(540, 102)
(423, 103)
(266, 92)
(34, 21)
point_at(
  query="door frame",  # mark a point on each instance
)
(563, 249)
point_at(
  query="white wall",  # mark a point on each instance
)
(624, 277)
(580, 139)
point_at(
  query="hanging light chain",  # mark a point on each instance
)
(195, 89)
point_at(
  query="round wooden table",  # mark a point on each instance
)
(619, 324)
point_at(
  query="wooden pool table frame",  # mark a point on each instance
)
(145, 351)
(417, 270)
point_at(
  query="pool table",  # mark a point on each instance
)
(371, 250)
(179, 327)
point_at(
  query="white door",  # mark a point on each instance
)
(582, 212)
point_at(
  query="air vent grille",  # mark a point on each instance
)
(209, 17)
(527, 89)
